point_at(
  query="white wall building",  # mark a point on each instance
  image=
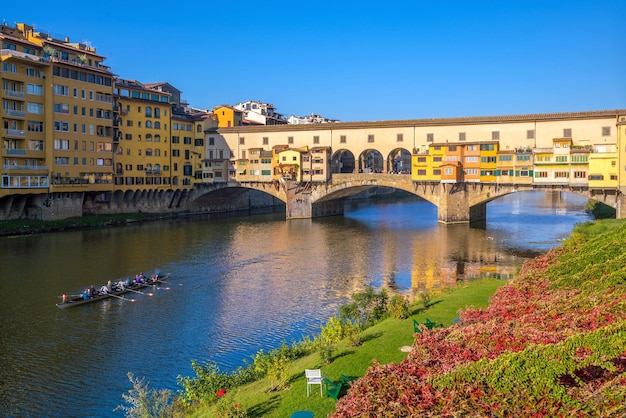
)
(260, 112)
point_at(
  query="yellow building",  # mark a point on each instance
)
(288, 164)
(422, 170)
(603, 169)
(64, 124)
(142, 154)
(488, 160)
(227, 116)
(27, 137)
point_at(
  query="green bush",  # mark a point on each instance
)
(327, 349)
(424, 299)
(145, 402)
(399, 307)
(333, 331)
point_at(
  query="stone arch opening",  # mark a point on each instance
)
(399, 161)
(343, 162)
(371, 161)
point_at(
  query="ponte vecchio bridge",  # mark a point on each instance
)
(569, 152)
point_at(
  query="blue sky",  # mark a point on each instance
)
(360, 61)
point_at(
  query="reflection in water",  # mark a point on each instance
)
(238, 285)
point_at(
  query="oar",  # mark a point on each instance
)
(141, 293)
(119, 297)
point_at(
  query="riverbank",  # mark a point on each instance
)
(382, 343)
(568, 300)
(30, 226)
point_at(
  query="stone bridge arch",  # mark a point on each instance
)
(399, 161)
(371, 161)
(343, 161)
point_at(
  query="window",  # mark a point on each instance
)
(36, 108)
(34, 89)
(61, 126)
(342, 139)
(9, 67)
(561, 174)
(580, 158)
(495, 135)
(541, 174)
(452, 148)
(561, 158)
(290, 140)
(61, 108)
(242, 141)
(530, 134)
(60, 90)
(266, 140)
(148, 112)
(507, 157)
(421, 172)
(211, 140)
(61, 144)
(606, 131)
(462, 136)
(316, 139)
(430, 137)
(580, 174)
(399, 138)
(437, 159)
(370, 138)
(567, 133)
(487, 147)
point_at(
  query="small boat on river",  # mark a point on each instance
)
(113, 290)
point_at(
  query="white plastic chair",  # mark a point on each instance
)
(313, 377)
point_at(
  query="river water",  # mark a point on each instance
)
(238, 285)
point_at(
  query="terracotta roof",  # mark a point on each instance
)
(473, 120)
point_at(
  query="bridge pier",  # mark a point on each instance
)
(453, 203)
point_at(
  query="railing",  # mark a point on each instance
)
(25, 167)
(15, 113)
(14, 94)
(21, 55)
(104, 98)
(15, 132)
(13, 151)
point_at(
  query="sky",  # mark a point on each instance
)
(359, 60)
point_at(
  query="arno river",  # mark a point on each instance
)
(238, 285)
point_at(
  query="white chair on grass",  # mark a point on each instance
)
(313, 377)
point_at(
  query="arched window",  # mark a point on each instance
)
(148, 124)
(148, 152)
(157, 125)
(157, 168)
(148, 112)
(148, 137)
(157, 152)
(157, 112)
(148, 168)
(199, 130)
(120, 150)
(157, 138)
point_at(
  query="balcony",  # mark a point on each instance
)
(21, 55)
(15, 113)
(25, 167)
(14, 94)
(14, 151)
(15, 133)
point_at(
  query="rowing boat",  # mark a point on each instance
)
(75, 300)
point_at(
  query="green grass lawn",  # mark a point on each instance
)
(381, 342)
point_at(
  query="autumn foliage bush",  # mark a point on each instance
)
(551, 343)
